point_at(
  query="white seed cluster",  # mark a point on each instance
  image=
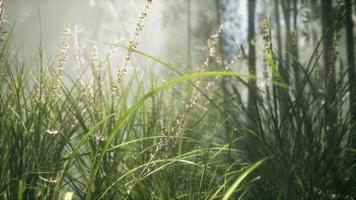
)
(266, 37)
(79, 55)
(133, 44)
(39, 97)
(96, 67)
(294, 38)
(196, 96)
(63, 55)
(62, 59)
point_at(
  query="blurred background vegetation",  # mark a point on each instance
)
(224, 99)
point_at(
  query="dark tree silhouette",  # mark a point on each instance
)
(351, 65)
(329, 63)
(278, 31)
(286, 11)
(251, 54)
(294, 42)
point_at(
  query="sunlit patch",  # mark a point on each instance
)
(52, 132)
(92, 3)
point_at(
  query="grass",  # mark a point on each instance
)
(95, 136)
(311, 156)
(66, 137)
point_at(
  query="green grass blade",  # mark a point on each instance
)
(133, 109)
(239, 180)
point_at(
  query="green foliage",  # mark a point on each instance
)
(76, 141)
(312, 157)
(65, 137)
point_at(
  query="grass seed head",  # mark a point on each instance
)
(133, 44)
(62, 59)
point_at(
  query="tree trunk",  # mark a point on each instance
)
(351, 66)
(286, 12)
(294, 42)
(252, 93)
(278, 25)
(329, 63)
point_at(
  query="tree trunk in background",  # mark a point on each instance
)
(225, 47)
(278, 25)
(329, 63)
(314, 8)
(252, 92)
(283, 71)
(295, 13)
(351, 66)
(294, 42)
(229, 18)
(286, 12)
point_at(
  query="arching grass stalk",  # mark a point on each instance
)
(135, 106)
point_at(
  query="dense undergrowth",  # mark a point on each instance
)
(93, 136)
(313, 157)
(97, 138)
